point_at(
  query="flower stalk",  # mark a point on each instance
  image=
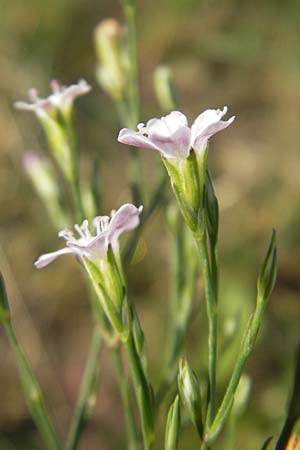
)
(131, 427)
(143, 392)
(266, 281)
(88, 391)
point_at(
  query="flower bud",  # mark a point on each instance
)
(164, 88)
(190, 394)
(267, 277)
(59, 143)
(41, 174)
(173, 426)
(111, 70)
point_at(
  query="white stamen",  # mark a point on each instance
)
(67, 235)
(55, 86)
(85, 229)
(79, 230)
(100, 224)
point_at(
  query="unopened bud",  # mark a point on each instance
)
(112, 64)
(190, 394)
(173, 426)
(42, 176)
(164, 88)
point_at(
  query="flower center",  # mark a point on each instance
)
(100, 223)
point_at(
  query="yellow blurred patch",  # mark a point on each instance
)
(294, 442)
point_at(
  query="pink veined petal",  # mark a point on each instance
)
(176, 145)
(136, 139)
(47, 258)
(126, 218)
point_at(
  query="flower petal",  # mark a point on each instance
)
(67, 94)
(93, 248)
(125, 219)
(36, 107)
(168, 125)
(175, 120)
(206, 125)
(136, 139)
(176, 145)
(46, 259)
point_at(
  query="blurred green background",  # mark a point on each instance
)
(241, 53)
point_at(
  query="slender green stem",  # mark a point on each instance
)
(211, 305)
(75, 181)
(87, 391)
(131, 429)
(133, 90)
(132, 117)
(77, 200)
(247, 346)
(33, 393)
(214, 268)
(142, 391)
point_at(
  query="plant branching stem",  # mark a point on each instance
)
(247, 346)
(131, 428)
(142, 391)
(211, 306)
(82, 408)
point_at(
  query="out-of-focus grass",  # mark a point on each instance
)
(239, 53)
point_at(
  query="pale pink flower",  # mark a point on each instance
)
(172, 136)
(62, 97)
(94, 247)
